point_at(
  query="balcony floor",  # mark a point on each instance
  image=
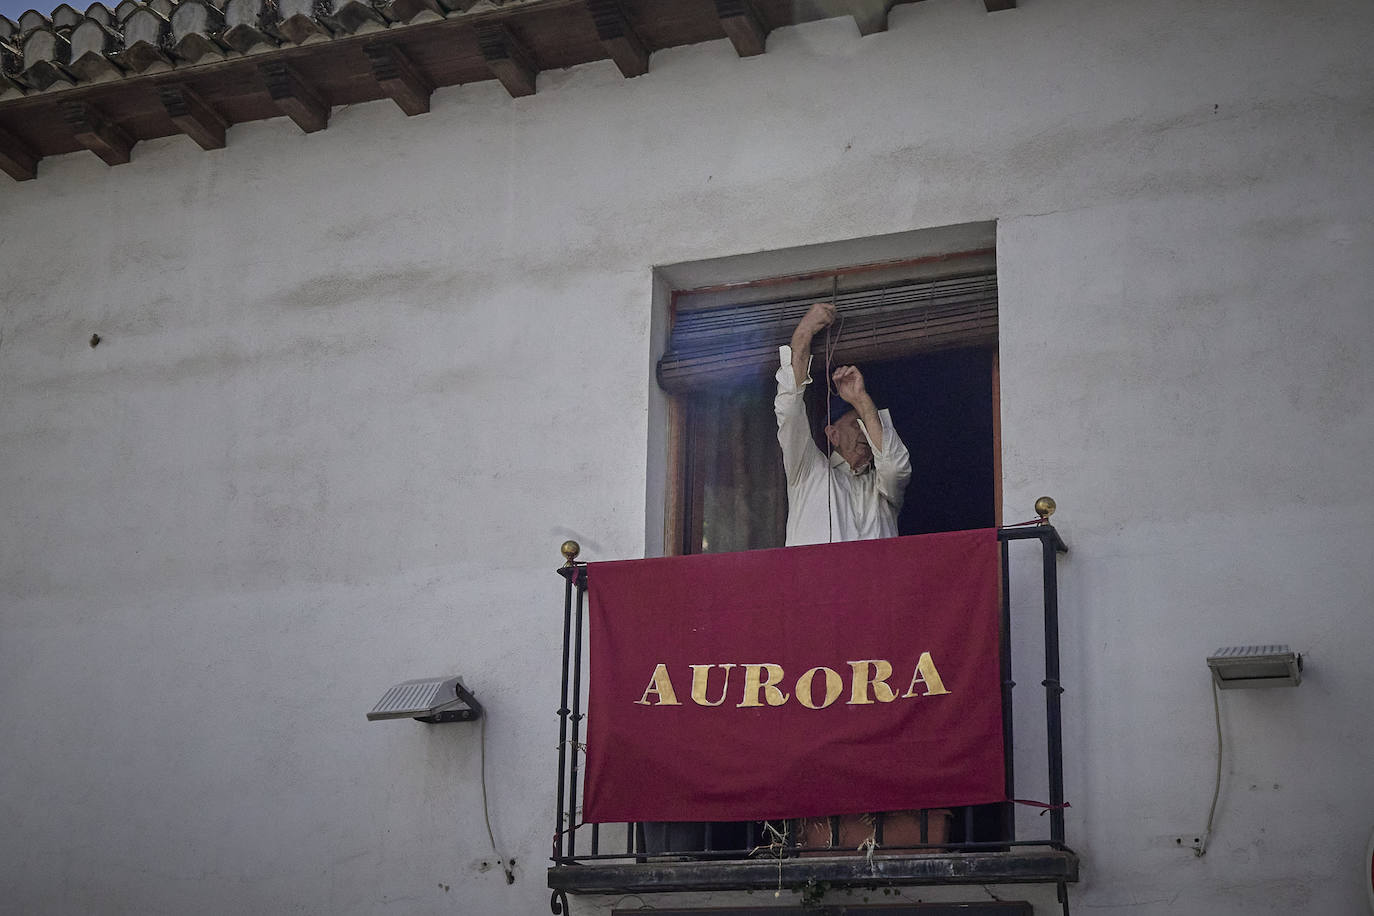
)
(1041, 866)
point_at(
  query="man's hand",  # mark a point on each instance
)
(849, 384)
(817, 318)
(820, 316)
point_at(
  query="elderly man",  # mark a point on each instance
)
(856, 493)
(853, 495)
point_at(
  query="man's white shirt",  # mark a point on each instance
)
(857, 507)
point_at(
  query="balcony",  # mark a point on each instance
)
(980, 846)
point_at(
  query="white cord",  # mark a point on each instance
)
(1201, 848)
(486, 814)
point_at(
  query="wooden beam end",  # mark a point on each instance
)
(623, 45)
(16, 159)
(97, 134)
(508, 59)
(870, 15)
(398, 78)
(193, 117)
(742, 26)
(294, 97)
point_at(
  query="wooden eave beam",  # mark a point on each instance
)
(618, 37)
(294, 97)
(192, 116)
(743, 26)
(93, 131)
(17, 160)
(398, 78)
(508, 59)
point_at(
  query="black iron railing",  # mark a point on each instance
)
(982, 846)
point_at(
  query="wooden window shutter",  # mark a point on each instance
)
(716, 344)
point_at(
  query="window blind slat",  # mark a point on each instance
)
(722, 345)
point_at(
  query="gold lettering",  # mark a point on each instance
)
(858, 692)
(700, 675)
(925, 673)
(661, 687)
(753, 686)
(833, 685)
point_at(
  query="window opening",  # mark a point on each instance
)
(923, 332)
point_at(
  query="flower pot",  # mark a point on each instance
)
(900, 829)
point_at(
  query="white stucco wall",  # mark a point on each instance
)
(355, 388)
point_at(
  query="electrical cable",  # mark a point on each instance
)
(486, 813)
(1201, 848)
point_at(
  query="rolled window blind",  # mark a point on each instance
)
(722, 345)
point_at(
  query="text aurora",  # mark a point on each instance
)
(762, 684)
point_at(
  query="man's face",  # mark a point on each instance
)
(848, 440)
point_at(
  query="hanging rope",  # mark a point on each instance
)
(830, 391)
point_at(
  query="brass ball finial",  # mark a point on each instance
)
(1044, 507)
(570, 551)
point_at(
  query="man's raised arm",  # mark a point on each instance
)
(891, 460)
(849, 384)
(800, 457)
(817, 318)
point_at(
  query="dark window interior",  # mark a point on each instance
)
(941, 406)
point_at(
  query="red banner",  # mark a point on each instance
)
(807, 681)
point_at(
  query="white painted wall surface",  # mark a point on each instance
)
(355, 387)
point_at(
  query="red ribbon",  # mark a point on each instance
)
(1039, 804)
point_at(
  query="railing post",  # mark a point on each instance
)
(1008, 739)
(1049, 542)
(568, 571)
(580, 581)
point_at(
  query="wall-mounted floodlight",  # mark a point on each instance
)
(1255, 666)
(433, 699)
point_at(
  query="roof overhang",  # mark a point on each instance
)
(105, 81)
